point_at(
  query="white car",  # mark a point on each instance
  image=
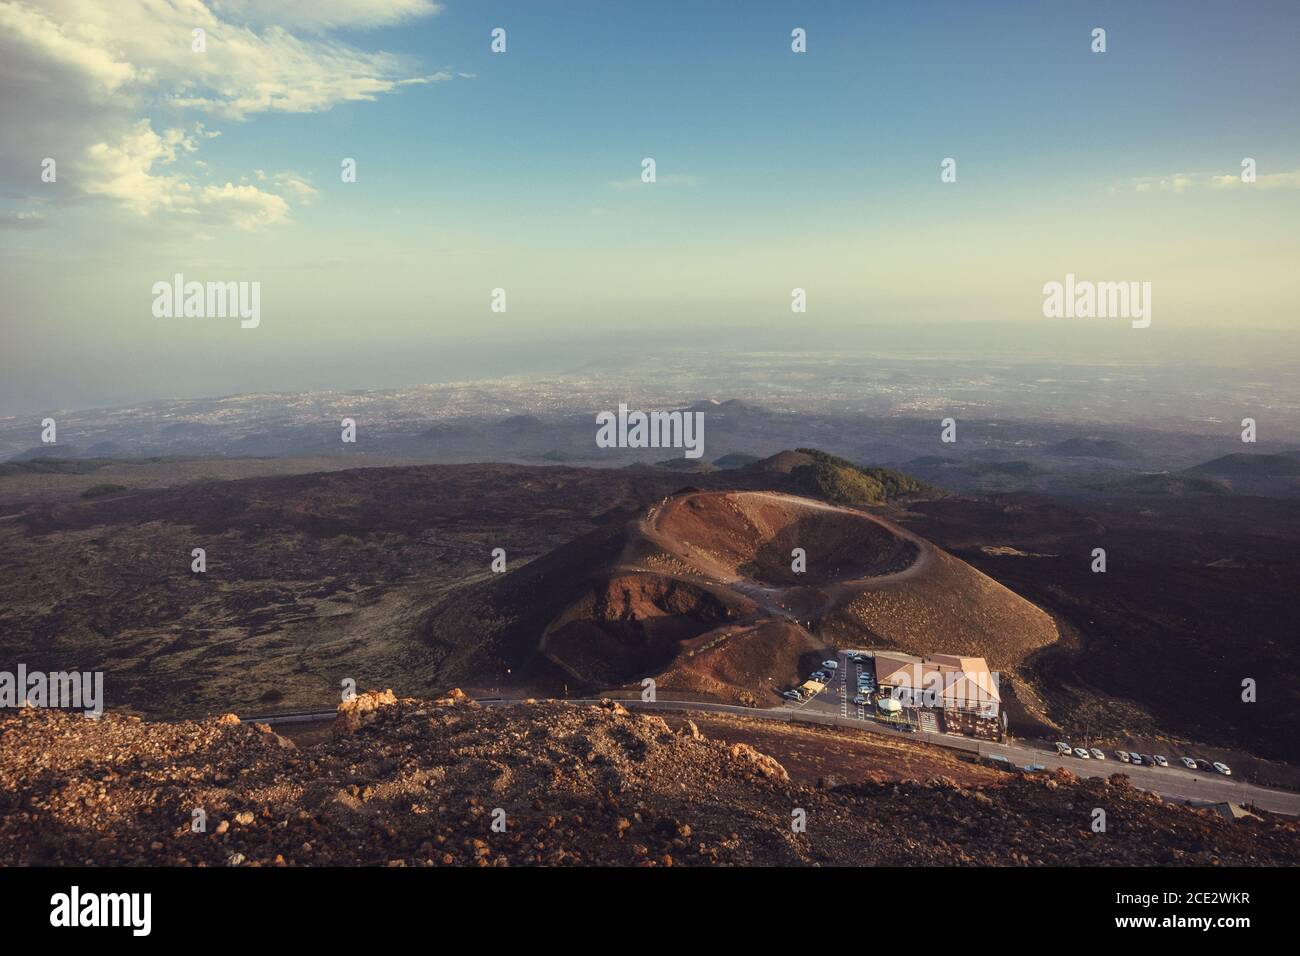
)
(1136, 757)
(859, 700)
(1081, 753)
(1122, 755)
(1096, 754)
(1063, 748)
(1223, 768)
(1188, 762)
(1161, 761)
(831, 665)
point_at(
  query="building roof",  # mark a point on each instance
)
(958, 679)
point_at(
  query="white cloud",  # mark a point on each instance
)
(83, 79)
(1186, 182)
(79, 46)
(1174, 182)
(1284, 180)
(327, 14)
(132, 172)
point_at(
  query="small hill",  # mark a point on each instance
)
(930, 462)
(692, 465)
(736, 460)
(1244, 465)
(52, 466)
(1167, 484)
(1013, 469)
(1094, 448)
(520, 425)
(782, 463)
(839, 480)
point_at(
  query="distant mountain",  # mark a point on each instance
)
(1166, 484)
(930, 461)
(1244, 465)
(1016, 469)
(736, 460)
(686, 464)
(52, 466)
(991, 454)
(51, 452)
(520, 424)
(1094, 448)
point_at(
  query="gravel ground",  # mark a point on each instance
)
(444, 782)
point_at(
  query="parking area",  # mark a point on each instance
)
(1082, 753)
(848, 690)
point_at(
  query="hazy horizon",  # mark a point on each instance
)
(521, 171)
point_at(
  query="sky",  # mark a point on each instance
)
(521, 170)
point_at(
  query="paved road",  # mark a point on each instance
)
(1174, 782)
(1171, 783)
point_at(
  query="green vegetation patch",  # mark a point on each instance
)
(839, 480)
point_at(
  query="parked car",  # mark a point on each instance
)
(1063, 748)
(1081, 753)
(1035, 768)
(1188, 762)
(831, 665)
(1203, 764)
(1096, 754)
(1122, 755)
(860, 700)
(792, 695)
(1148, 760)
(819, 676)
(1160, 761)
(1223, 768)
(1135, 757)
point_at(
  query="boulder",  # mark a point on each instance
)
(759, 763)
(361, 710)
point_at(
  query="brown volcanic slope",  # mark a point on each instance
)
(416, 783)
(699, 594)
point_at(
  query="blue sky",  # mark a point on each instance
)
(520, 170)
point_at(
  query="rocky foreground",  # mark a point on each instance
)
(445, 782)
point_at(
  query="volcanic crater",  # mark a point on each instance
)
(701, 592)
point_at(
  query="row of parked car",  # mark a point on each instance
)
(1149, 760)
(822, 676)
(866, 685)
